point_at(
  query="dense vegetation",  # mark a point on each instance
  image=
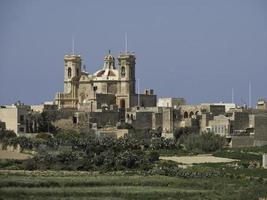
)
(86, 151)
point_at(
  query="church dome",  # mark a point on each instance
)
(109, 71)
(111, 74)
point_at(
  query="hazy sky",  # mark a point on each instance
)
(196, 49)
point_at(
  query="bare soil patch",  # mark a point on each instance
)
(204, 158)
(4, 154)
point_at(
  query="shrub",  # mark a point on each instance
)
(153, 156)
(207, 142)
(126, 159)
(7, 134)
(44, 136)
(30, 164)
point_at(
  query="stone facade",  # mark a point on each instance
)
(17, 117)
(260, 127)
(108, 86)
(220, 125)
(170, 102)
(262, 104)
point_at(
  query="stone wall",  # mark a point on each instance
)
(156, 120)
(240, 121)
(142, 120)
(144, 100)
(105, 118)
(167, 120)
(260, 129)
(242, 141)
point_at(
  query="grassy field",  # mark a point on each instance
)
(85, 185)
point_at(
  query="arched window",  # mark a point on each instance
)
(69, 72)
(122, 71)
(185, 114)
(191, 114)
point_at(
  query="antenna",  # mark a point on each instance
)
(126, 43)
(233, 95)
(84, 68)
(249, 93)
(73, 45)
(138, 95)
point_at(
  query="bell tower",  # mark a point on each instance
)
(127, 73)
(72, 72)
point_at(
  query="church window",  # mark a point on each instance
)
(191, 114)
(185, 114)
(69, 72)
(122, 71)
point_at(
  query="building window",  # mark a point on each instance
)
(21, 129)
(122, 71)
(21, 118)
(77, 72)
(69, 72)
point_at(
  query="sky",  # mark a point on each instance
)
(196, 49)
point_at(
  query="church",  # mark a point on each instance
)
(111, 87)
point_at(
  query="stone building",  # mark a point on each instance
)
(220, 125)
(109, 96)
(46, 106)
(170, 102)
(109, 86)
(260, 129)
(262, 104)
(17, 117)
